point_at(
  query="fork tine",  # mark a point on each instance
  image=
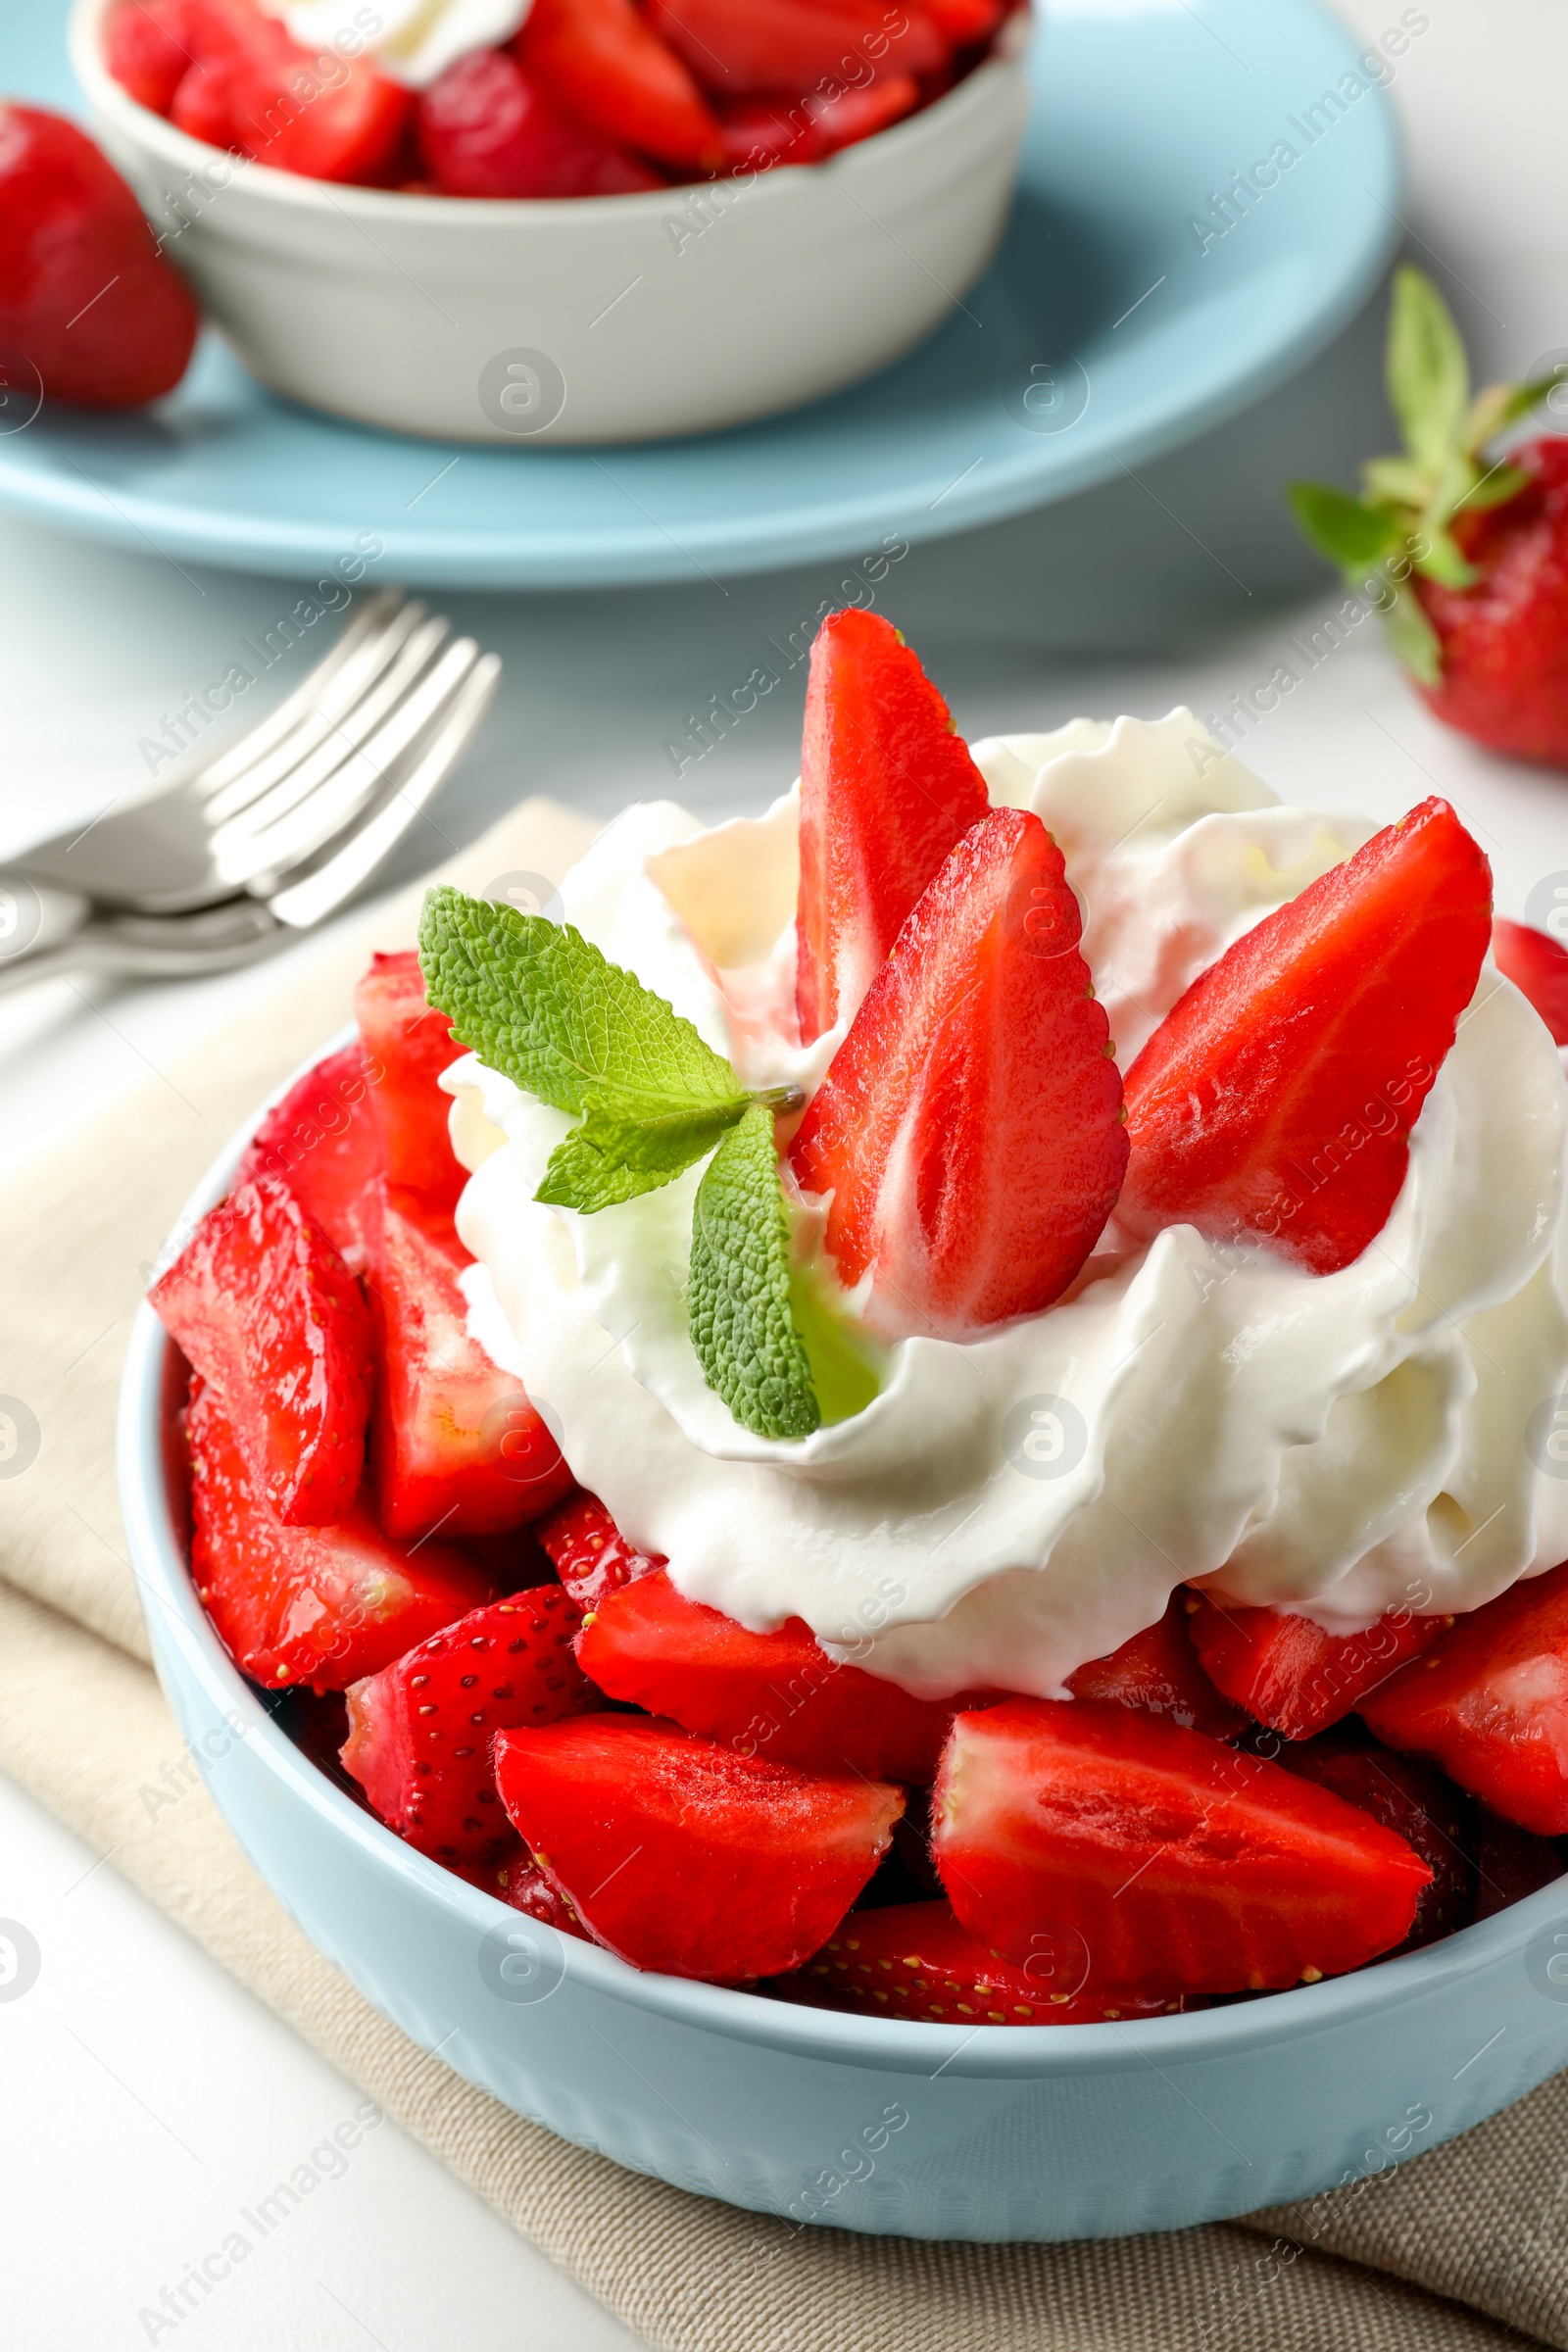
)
(317, 895)
(340, 739)
(372, 768)
(312, 721)
(377, 617)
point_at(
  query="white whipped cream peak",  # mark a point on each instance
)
(1006, 1508)
(413, 41)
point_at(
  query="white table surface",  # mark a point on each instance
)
(145, 2097)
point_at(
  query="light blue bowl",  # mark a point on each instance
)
(876, 2125)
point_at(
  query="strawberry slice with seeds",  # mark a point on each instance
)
(1175, 1864)
(916, 1960)
(1159, 1670)
(777, 1696)
(887, 790)
(1537, 966)
(588, 1552)
(679, 1855)
(421, 1731)
(265, 1308)
(456, 1444)
(324, 1605)
(1433, 1817)
(969, 1126)
(407, 1043)
(1490, 1704)
(1287, 1673)
(601, 61)
(1276, 1098)
(323, 1141)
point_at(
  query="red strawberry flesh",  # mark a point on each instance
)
(588, 1552)
(407, 1043)
(323, 1141)
(1159, 1670)
(265, 1308)
(682, 1856)
(1289, 1673)
(1433, 1817)
(887, 790)
(1537, 966)
(969, 1126)
(1276, 1098)
(1504, 639)
(1176, 1864)
(421, 1731)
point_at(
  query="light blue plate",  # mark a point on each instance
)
(1108, 331)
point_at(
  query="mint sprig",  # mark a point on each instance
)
(541, 1005)
(738, 1304)
(1402, 521)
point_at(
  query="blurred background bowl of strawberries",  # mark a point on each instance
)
(475, 262)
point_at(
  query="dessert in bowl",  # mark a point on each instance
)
(571, 287)
(772, 1594)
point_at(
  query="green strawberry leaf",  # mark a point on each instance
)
(1443, 561)
(1413, 637)
(1502, 482)
(1397, 482)
(1427, 376)
(1499, 406)
(613, 1157)
(1352, 535)
(738, 1304)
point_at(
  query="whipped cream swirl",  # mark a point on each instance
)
(1009, 1507)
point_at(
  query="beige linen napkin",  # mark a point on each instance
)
(83, 1725)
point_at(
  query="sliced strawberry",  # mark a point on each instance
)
(1277, 1097)
(1490, 1704)
(855, 115)
(757, 135)
(520, 1882)
(1159, 1670)
(149, 47)
(323, 1141)
(1509, 1863)
(1538, 965)
(916, 1960)
(963, 22)
(969, 1126)
(263, 1305)
(1290, 1675)
(600, 61)
(1176, 1864)
(407, 1043)
(456, 1444)
(777, 1695)
(324, 1605)
(1433, 1817)
(588, 1552)
(254, 89)
(887, 790)
(680, 1855)
(420, 1732)
(739, 47)
(486, 129)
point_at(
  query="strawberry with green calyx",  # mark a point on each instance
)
(1465, 553)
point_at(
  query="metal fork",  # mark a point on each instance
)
(275, 834)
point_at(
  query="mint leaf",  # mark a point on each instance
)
(738, 1305)
(1352, 535)
(1428, 377)
(613, 1157)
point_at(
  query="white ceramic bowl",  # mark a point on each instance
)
(875, 2123)
(608, 318)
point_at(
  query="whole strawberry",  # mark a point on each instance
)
(1464, 552)
(89, 309)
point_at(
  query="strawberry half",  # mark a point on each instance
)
(680, 1855)
(266, 1309)
(1178, 1865)
(407, 1043)
(420, 1732)
(1537, 966)
(456, 1444)
(1418, 1804)
(323, 1141)
(1159, 1670)
(1490, 1704)
(588, 1552)
(777, 1695)
(324, 1605)
(1275, 1100)
(969, 1126)
(1290, 1675)
(887, 790)
(916, 1960)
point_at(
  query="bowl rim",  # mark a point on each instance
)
(928, 126)
(890, 2044)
